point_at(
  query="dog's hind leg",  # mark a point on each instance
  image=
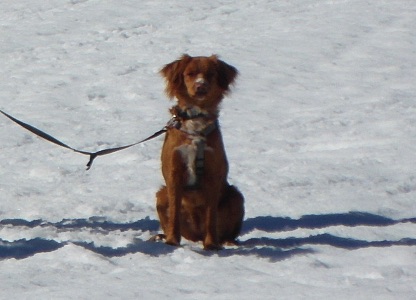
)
(230, 215)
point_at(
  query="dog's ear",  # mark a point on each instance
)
(226, 73)
(173, 74)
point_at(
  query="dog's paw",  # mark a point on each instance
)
(213, 247)
(232, 243)
(157, 238)
(162, 238)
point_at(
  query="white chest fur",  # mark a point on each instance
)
(194, 151)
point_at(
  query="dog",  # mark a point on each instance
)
(197, 202)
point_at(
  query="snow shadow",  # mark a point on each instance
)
(139, 246)
(351, 219)
(273, 249)
(24, 248)
(99, 223)
(326, 239)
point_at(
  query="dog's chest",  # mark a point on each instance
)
(193, 152)
(194, 127)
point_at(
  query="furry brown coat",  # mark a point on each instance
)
(197, 201)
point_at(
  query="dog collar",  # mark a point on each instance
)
(191, 113)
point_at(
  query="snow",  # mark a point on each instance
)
(320, 132)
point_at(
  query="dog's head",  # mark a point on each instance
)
(200, 81)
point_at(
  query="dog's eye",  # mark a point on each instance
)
(210, 75)
(191, 74)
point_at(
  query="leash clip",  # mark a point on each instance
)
(174, 123)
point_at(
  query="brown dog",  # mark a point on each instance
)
(197, 201)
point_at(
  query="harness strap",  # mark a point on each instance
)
(92, 155)
(179, 116)
(200, 158)
(200, 152)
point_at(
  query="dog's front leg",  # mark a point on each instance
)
(174, 185)
(173, 230)
(211, 241)
(211, 237)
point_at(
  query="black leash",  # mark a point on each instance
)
(92, 155)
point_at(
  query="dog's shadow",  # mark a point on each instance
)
(274, 249)
(281, 248)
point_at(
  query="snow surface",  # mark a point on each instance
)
(320, 132)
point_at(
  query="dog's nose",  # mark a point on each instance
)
(201, 84)
(200, 81)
